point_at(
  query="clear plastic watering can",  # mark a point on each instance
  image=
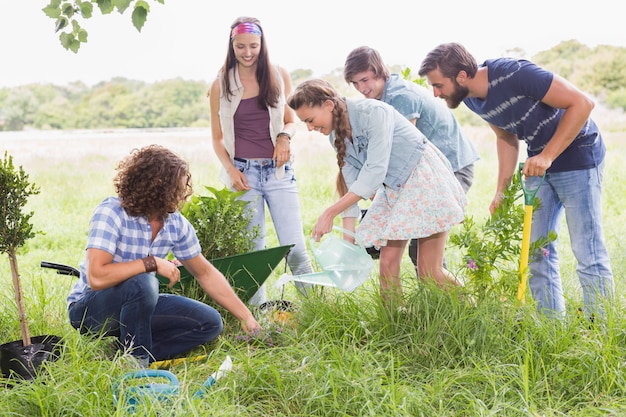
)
(344, 265)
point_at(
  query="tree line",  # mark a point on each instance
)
(118, 103)
(125, 103)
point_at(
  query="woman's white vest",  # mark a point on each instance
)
(227, 115)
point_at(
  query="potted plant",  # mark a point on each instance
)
(25, 356)
(222, 223)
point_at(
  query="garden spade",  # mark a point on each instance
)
(224, 368)
(529, 199)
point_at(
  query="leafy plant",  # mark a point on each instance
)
(491, 252)
(408, 75)
(15, 227)
(222, 222)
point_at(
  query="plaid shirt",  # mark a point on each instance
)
(127, 238)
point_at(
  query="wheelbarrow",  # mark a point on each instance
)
(529, 199)
(246, 272)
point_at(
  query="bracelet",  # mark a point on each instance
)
(149, 263)
(284, 134)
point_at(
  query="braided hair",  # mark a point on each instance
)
(316, 92)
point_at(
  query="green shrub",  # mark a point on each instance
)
(491, 252)
(222, 222)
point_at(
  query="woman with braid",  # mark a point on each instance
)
(382, 156)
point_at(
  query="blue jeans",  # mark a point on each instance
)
(149, 324)
(578, 194)
(281, 197)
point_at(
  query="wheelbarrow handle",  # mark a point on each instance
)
(529, 195)
(61, 268)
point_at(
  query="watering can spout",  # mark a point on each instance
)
(344, 265)
(315, 278)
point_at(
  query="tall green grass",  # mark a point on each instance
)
(342, 354)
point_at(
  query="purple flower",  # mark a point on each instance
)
(472, 265)
(259, 337)
(545, 251)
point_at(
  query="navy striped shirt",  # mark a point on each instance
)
(513, 103)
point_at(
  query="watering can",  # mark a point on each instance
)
(344, 265)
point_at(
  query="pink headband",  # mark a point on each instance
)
(246, 27)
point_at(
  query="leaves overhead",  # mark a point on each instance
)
(69, 14)
(140, 13)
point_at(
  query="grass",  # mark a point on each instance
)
(341, 354)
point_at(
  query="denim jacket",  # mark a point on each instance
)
(385, 149)
(229, 107)
(433, 118)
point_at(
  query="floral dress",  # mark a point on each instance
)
(427, 204)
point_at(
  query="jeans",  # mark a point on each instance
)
(281, 197)
(148, 324)
(465, 176)
(578, 194)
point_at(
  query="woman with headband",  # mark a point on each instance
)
(252, 128)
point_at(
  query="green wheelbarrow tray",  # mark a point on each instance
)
(246, 272)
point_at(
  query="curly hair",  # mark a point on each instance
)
(315, 92)
(269, 86)
(152, 181)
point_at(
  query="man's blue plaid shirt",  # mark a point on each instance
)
(127, 238)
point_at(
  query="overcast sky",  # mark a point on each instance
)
(188, 38)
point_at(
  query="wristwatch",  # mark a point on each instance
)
(284, 134)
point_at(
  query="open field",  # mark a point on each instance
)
(71, 164)
(345, 356)
(80, 162)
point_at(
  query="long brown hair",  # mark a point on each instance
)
(269, 86)
(315, 92)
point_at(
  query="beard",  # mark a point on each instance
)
(458, 95)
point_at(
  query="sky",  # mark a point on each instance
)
(188, 39)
